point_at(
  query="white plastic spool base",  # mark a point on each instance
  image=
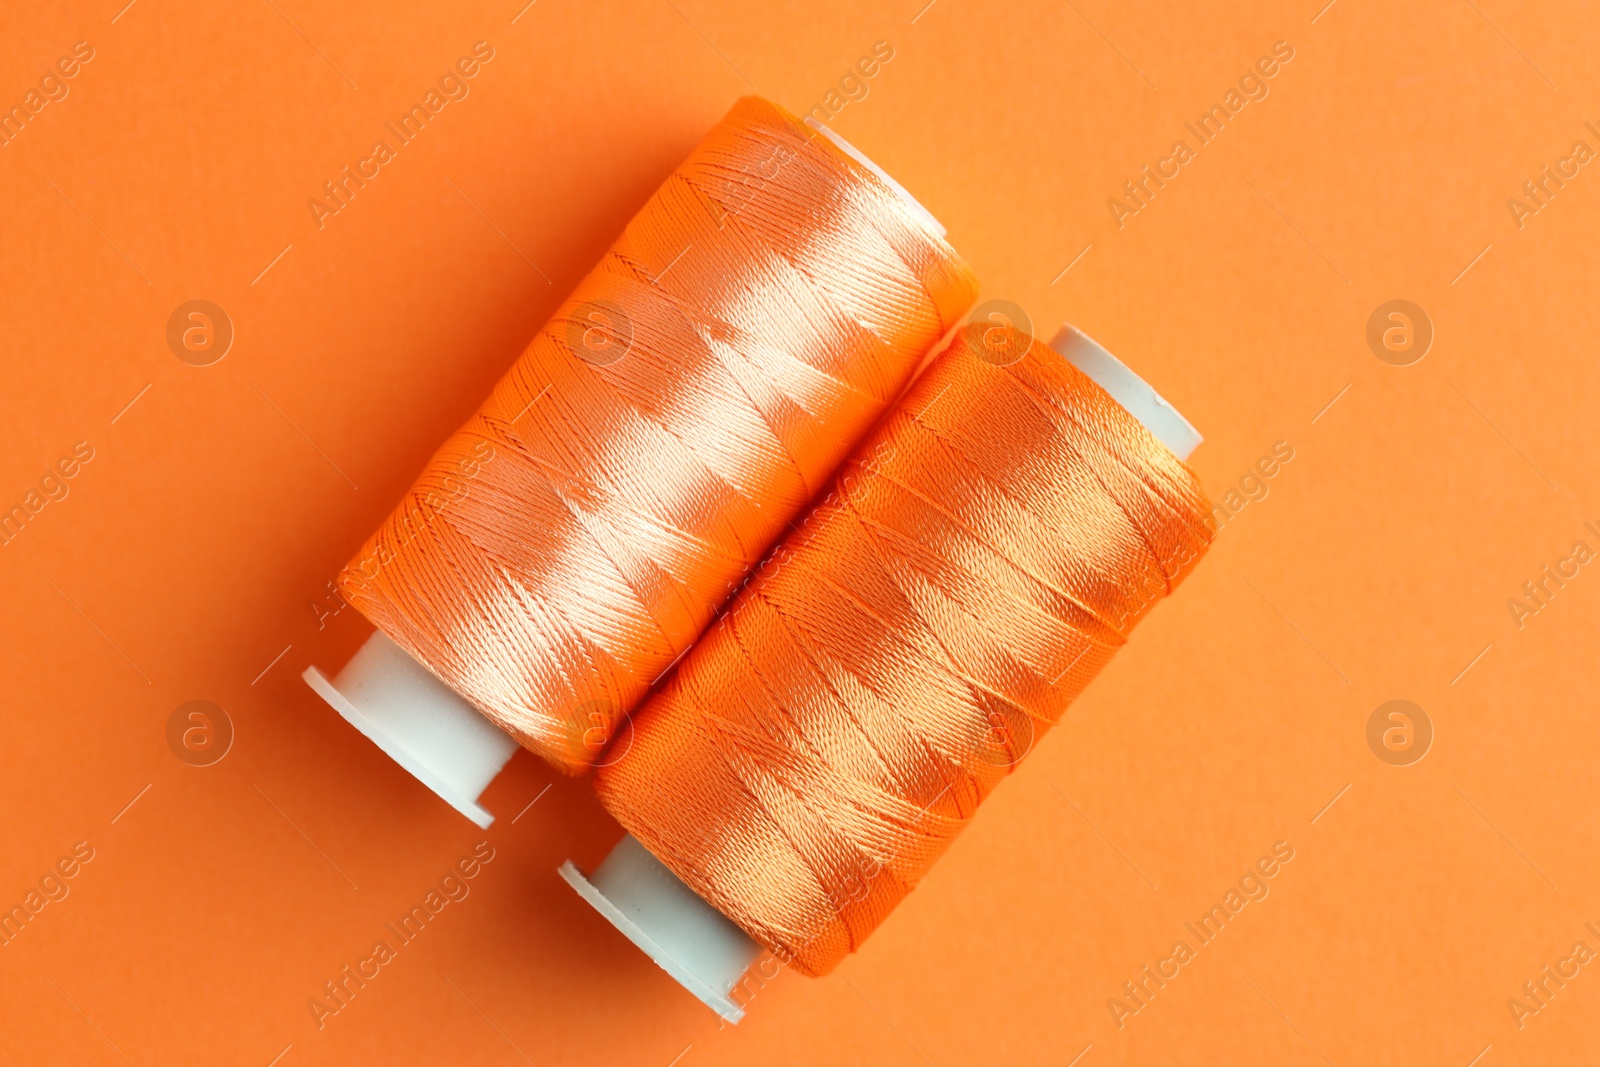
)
(685, 936)
(422, 724)
(693, 941)
(1129, 390)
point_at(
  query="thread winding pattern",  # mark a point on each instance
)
(697, 389)
(982, 555)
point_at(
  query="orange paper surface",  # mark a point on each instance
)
(184, 520)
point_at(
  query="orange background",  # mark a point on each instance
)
(191, 549)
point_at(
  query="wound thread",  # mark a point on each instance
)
(694, 393)
(982, 555)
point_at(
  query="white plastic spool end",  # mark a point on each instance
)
(1129, 390)
(423, 724)
(688, 938)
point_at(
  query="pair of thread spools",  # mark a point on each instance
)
(798, 616)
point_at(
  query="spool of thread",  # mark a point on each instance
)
(569, 543)
(982, 555)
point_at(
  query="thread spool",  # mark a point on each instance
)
(455, 743)
(702, 948)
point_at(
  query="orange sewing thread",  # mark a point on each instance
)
(696, 390)
(983, 554)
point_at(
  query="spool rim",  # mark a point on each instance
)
(395, 749)
(722, 1005)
